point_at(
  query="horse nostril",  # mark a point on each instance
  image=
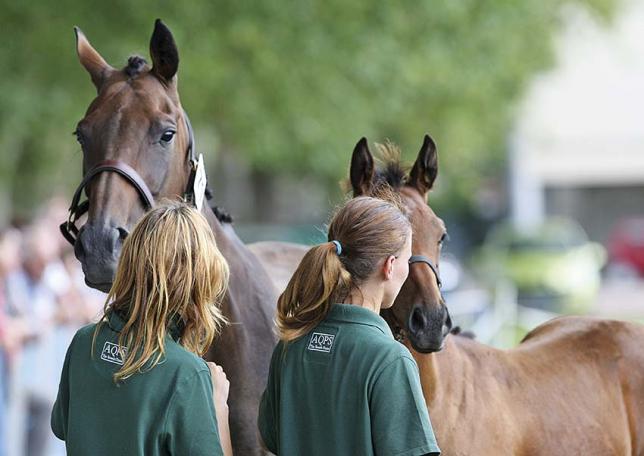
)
(447, 326)
(79, 248)
(123, 233)
(417, 321)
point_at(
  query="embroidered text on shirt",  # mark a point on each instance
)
(321, 342)
(113, 353)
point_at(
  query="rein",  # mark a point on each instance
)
(77, 209)
(399, 332)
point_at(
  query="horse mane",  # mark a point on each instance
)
(135, 66)
(457, 331)
(390, 174)
(222, 215)
(389, 171)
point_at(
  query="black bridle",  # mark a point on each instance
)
(423, 259)
(399, 331)
(77, 209)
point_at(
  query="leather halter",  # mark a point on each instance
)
(77, 209)
(423, 259)
(398, 332)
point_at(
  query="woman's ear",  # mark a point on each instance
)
(388, 267)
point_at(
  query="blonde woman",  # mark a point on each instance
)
(339, 384)
(134, 383)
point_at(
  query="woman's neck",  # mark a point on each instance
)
(369, 297)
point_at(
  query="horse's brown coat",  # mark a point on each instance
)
(575, 386)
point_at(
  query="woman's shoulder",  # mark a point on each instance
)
(175, 356)
(180, 358)
(84, 335)
(389, 349)
(87, 330)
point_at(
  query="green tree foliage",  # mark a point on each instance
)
(291, 86)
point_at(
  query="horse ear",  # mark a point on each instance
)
(98, 69)
(362, 168)
(165, 56)
(425, 169)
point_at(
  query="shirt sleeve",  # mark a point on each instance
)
(191, 423)
(399, 418)
(268, 418)
(60, 412)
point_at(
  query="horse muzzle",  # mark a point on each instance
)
(428, 327)
(98, 248)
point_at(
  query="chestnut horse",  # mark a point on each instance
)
(573, 386)
(137, 148)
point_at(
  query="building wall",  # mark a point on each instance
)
(597, 209)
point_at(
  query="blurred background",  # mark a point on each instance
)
(536, 107)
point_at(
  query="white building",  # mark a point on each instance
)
(578, 144)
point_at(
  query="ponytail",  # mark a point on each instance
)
(364, 231)
(319, 279)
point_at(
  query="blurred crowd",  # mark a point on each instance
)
(43, 301)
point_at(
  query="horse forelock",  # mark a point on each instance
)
(390, 170)
(135, 66)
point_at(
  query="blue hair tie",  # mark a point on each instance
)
(338, 247)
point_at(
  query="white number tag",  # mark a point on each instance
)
(199, 186)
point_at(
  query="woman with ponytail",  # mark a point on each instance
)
(339, 384)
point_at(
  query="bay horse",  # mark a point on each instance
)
(573, 386)
(138, 147)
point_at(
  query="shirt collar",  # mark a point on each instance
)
(116, 323)
(355, 314)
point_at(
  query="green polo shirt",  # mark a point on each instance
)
(345, 388)
(167, 410)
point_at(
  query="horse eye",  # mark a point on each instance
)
(79, 136)
(168, 135)
(444, 237)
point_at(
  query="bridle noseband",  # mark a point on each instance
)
(399, 332)
(77, 209)
(423, 259)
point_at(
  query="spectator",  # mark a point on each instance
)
(43, 301)
(9, 253)
(34, 294)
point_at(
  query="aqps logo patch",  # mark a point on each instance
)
(321, 342)
(113, 353)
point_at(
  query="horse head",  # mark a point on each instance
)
(137, 148)
(419, 312)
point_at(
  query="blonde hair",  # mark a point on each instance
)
(170, 272)
(368, 230)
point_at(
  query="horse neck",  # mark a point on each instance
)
(442, 373)
(227, 240)
(453, 378)
(248, 280)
